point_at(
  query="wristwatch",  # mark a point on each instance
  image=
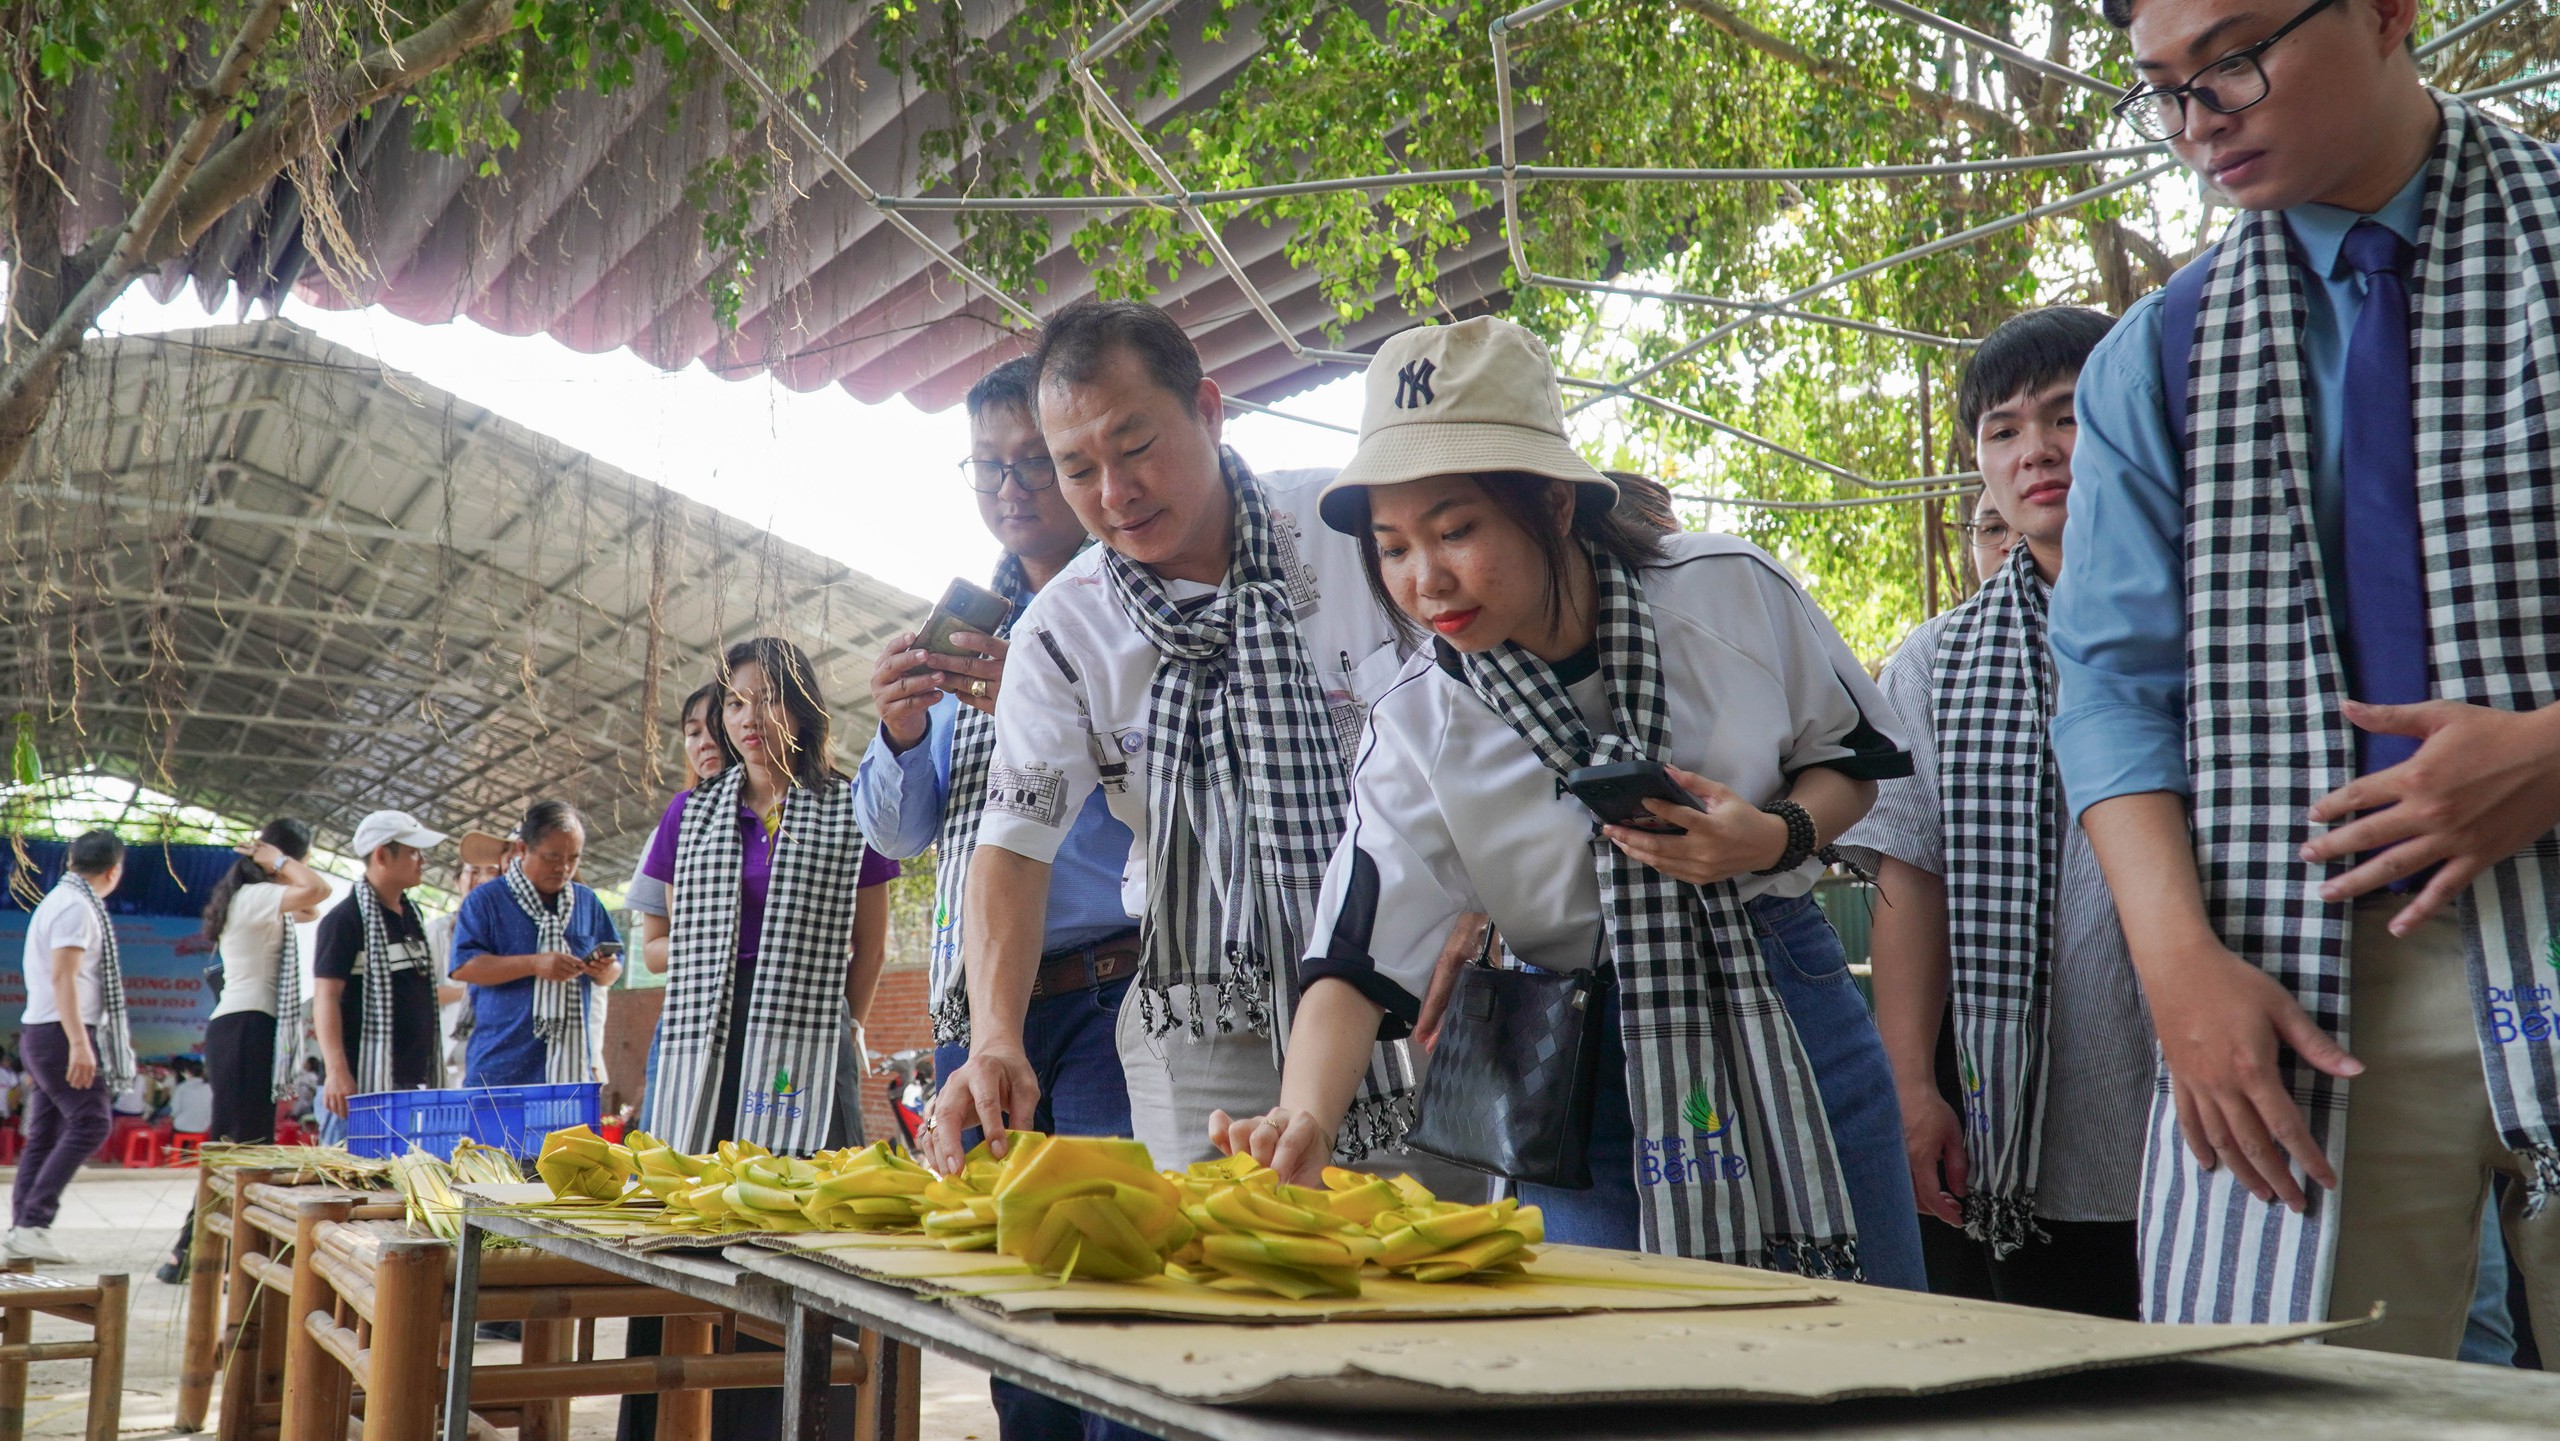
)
(1801, 841)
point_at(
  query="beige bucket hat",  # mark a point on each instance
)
(1480, 395)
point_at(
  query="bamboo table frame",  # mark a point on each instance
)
(888, 1383)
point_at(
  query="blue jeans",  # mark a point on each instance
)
(1068, 1039)
(1849, 1067)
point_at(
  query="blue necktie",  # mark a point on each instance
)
(2386, 590)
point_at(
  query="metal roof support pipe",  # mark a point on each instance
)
(1994, 45)
(1689, 413)
(1760, 307)
(1082, 68)
(1849, 504)
(1901, 257)
(2489, 16)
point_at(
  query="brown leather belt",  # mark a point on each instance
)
(1086, 967)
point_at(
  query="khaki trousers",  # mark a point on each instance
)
(2421, 1149)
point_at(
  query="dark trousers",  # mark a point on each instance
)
(2087, 1267)
(64, 1126)
(240, 1063)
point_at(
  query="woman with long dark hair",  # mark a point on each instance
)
(254, 1041)
(777, 926)
(1742, 1109)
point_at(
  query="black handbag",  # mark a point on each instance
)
(1510, 1080)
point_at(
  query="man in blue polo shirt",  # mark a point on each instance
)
(936, 719)
(2307, 677)
(527, 944)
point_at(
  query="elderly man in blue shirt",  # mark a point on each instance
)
(2307, 679)
(537, 949)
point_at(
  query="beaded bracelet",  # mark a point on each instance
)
(1801, 840)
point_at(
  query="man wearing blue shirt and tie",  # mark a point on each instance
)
(923, 783)
(2306, 652)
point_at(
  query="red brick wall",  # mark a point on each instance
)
(897, 1023)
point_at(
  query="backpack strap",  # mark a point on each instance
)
(2180, 299)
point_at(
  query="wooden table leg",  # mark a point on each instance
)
(685, 1415)
(238, 1339)
(408, 1310)
(808, 1347)
(204, 1298)
(545, 1420)
(316, 1386)
(888, 1400)
(106, 1373)
(15, 1329)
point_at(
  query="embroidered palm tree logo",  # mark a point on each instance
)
(781, 1082)
(2551, 952)
(1972, 1078)
(1700, 1111)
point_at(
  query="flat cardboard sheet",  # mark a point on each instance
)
(1562, 1279)
(1867, 1342)
(633, 1236)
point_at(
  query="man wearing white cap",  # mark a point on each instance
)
(373, 994)
(1208, 667)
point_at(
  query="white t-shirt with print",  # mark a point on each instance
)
(1073, 711)
(63, 918)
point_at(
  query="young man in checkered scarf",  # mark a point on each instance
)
(1207, 667)
(2022, 1111)
(2304, 648)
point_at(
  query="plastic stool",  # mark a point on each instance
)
(183, 1148)
(142, 1147)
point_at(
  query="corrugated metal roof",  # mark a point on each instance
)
(313, 586)
(587, 235)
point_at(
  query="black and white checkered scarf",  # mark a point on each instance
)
(115, 1031)
(796, 1015)
(964, 800)
(2265, 733)
(289, 1050)
(1247, 791)
(1993, 701)
(1714, 1068)
(559, 1007)
(373, 1043)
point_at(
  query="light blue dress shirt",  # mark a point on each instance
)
(898, 797)
(2119, 623)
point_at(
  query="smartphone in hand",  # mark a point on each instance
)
(963, 607)
(1617, 793)
(605, 954)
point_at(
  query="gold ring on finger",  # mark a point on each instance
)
(978, 688)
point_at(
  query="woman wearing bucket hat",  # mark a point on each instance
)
(1743, 1109)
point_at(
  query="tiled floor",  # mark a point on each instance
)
(117, 1220)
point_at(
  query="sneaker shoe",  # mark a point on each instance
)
(32, 1243)
(171, 1272)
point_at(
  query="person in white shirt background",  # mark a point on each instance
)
(73, 1039)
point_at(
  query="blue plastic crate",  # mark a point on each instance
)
(512, 1118)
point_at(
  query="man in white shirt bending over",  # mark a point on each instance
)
(1209, 666)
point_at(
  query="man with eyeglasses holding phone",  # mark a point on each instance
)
(2307, 673)
(924, 781)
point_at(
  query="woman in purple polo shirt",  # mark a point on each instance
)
(777, 925)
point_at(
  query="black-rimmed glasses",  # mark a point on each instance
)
(2226, 87)
(988, 476)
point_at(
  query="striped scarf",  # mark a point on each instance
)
(1993, 701)
(559, 1007)
(374, 1072)
(1247, 792)
(288, 1047)
(964, 799)
(1714, 1068)
(115, 1031)
(796, 1016)
(2265, 734)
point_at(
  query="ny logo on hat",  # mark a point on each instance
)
(1413, 385)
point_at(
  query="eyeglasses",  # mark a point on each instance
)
(1985, 532)
(986, 477)
(2226, 87)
